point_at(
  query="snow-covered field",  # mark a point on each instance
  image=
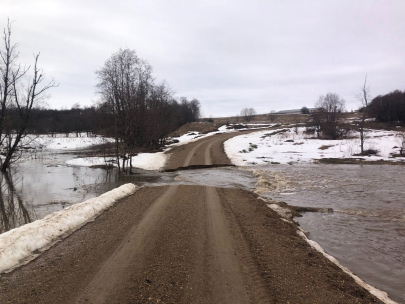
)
(154, 161)
(146, 161)
(256, 148)
(19, 244)
(289, 147)
(65, 142)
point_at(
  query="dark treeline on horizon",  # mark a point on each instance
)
(76, 119)
(389, 107)
(96, 120)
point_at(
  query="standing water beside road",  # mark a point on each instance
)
(37, 187)
(366, 233)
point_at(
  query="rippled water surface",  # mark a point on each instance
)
(366, 233)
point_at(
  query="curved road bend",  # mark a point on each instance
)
(183, 244)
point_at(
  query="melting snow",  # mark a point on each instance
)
(63, 142)
(19, 244)
(288, 147)
(154, 161)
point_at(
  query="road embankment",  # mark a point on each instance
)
(184, 244)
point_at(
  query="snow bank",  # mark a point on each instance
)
(150, 161)
(289, 147)
(21, 243)
(146, 161)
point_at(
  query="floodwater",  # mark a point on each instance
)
(39, 187)
(366, 233)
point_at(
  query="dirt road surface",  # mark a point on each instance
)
(183, 244)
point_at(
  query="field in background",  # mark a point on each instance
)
(205, 125)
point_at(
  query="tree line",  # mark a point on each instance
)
(133, 109)
(389, 107)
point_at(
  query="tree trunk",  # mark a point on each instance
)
(10, 153)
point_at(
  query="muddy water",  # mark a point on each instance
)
(366, 233)
(42, 186)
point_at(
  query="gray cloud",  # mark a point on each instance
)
(228, 54)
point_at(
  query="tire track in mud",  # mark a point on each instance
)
(133, 247)
(196, 153)
(208, 152)
(230, 267)
(222, 278)
(191, 154)
(226, 277)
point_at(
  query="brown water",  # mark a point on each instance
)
(366, 233)
(36, 188)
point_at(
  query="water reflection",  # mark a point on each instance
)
(47, 184)
(13, 210)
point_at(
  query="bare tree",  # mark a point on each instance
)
(331, 105)
(364, 98)
(329, 108)
(19, 93)
(272, 116)
(248, 113)
(141, 113)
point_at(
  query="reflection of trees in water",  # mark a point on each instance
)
(13, 211)
(90, 185)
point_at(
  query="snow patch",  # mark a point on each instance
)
(284, 146)
(146, 161)
(283, 212)
(65, 142)
(20, 244)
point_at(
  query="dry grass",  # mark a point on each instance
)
(325, 147)
(263, 118)
(357, 161)
(200, 126)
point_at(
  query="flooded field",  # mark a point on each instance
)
(366, 233)
(38, 187)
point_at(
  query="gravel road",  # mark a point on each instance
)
(184, 244)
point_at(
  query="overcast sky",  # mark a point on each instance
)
(269, 55)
